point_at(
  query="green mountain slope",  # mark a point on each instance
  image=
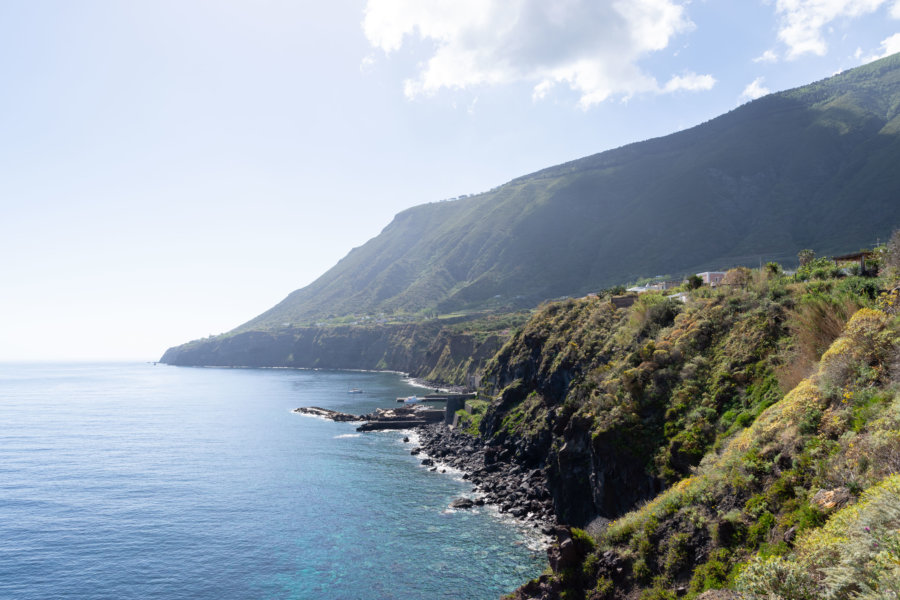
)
(811, 167)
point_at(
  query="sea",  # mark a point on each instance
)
(135, 480)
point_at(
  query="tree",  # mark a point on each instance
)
(694, 282)
(806, 256)
(737, 276)
(892, 256)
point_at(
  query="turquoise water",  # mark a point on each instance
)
(142, 481)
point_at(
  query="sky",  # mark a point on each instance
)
(169, 169)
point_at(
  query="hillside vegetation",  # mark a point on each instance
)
(747, 439)
(449, 351)
(813, 167)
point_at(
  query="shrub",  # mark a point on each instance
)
(676, 554)
(710, 575)
(864, 288)
(654, 311)
(856, 554)
(818, 268)
(583, 540)
(739, 276)
(589, 566)
(869, 545)
(658, 593)
(892, 254)
(777, 578)
(603, 590)
(759, 531)
(806, 256)
(817, 321)
(641, 570)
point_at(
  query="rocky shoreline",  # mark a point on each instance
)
(402, 417)
(492, 469)
(497, 479)
(326, 413)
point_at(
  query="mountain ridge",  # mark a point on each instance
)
(812, 167)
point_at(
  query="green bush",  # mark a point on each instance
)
(777, 578)
(641, 570)
(676, 555)
(818, 268)
(603, 590)
(759, 531)
(708, 576)
(658, 593)
(583, 540)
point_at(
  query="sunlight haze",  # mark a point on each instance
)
(169, 170)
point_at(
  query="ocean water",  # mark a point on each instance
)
(142, 481)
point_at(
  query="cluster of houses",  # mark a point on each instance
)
(710, 278)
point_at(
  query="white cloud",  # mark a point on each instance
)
(768, 56)
(691, 82)
(541, 90)
(367, 63)
(755, 89)
(895, 10)
(890, 45)
(802, 21)
(591, 46)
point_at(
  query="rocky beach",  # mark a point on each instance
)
(496, 477)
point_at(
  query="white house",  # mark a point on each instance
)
(712, 278)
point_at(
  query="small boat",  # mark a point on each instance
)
(355, 391)
(411, 400)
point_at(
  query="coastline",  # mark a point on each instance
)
(413, 381)
(538, 534)
(497, 480)
(515, 494)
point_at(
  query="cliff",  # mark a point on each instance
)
(444, 352)
(723, 440)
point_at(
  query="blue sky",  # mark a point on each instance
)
(170, 169)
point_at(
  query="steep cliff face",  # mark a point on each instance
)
(427, 350)
(617, 405)
(457, 358)
(802, 503)
(733, 427)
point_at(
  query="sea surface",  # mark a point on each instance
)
(151, 481)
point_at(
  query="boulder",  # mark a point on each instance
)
(829, 500)
(462, 503)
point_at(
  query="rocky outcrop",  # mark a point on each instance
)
(462, 503)
(403, 417)
(332, 415)
(591, 475)
(493, 471)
